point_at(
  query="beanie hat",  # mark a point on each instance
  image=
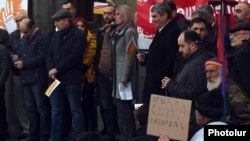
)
(210, 104)
(214, 61)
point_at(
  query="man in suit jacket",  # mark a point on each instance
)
(162, 51)
(31, 64)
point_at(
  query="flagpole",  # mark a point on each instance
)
(221, 46)
(223, 90)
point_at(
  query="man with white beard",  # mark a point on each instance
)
(238, 101)
(213, 73)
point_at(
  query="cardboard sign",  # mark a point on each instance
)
(169, 116)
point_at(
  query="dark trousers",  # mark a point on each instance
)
(89, 106)
(107, 109)
(126, 120)
(38, 109)
(3, 122)
(71, 93)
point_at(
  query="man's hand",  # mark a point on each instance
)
(18, 64)
(163, 138)
(125, 83)
(14, 58)
(52, 73)
(140, 57)
(164, 82)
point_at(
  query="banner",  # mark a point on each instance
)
(98, 7)
(146, 28)
(8, 9)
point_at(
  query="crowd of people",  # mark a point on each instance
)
(181, 62)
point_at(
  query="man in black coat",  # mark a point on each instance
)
(64, 63)
(14, 88)
(31, 64)
(239, 65)
(162, 51)
(190, 83)
(4, 70)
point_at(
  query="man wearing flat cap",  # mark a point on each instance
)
(239, 62)
(64, 63)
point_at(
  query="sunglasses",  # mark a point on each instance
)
(18, 21)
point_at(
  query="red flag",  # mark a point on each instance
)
(220, 47)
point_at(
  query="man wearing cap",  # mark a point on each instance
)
(239, 61)
(64, 63)
(239, 103)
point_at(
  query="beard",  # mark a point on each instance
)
(214, 84)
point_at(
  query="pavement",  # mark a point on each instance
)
(70, 138)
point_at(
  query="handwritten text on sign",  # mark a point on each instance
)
(169, 116)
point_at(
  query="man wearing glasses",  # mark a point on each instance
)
(15, 89)
(239, 67)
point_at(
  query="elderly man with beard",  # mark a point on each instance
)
(238, 102)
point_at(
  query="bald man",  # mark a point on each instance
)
(242, 12)
(14, 93)
(31, 64)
